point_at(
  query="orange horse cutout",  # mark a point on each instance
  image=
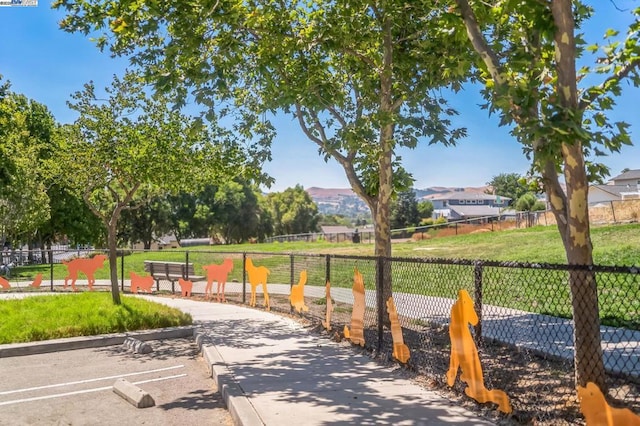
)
(140, 283)
(327, 294)
(464, 355)
(37, 281)
(218, 273)
(598, 412)
(86, 266)
(400, 350)
(4, 283)
(297, 293)
(185, 287)
(258, 275)
(356, 334)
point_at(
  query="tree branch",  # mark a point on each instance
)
(618, 77)
(305, 129)
(479, 42)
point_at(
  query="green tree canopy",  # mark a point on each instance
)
(509, 185)
(25, 127)
(293, 211)
(425, 208)
(404, 211)
(361, 78)
(131, 147)
(529, 203)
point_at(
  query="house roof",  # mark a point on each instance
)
(630, 174)
(611, 189)
(476, 211)
(463, 195)
(335, 229)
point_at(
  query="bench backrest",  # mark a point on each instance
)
(159, 268)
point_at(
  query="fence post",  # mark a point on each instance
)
(244, 277)
(122, 270)
(477, 274)
(186, 265)
(613, 212)
(456, 228)
(380, 302)
(51, 268)
(291, 281)
(327, 269)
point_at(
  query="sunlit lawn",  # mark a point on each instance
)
(83, 314)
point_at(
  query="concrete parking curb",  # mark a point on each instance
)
(238, 404)
(71, 343)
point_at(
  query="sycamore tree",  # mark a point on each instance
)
(128, 147)
(362, 79)
(527, 57)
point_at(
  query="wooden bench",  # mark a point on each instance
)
(171, 271)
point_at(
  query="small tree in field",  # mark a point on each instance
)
(131, 147)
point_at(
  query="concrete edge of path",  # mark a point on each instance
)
(239, 406)
(84, 342)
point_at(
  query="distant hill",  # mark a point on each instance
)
(345, 202)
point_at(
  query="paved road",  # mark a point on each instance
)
(75, 387)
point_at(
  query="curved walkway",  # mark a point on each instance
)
(272, 371)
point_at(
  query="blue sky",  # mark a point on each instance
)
(48, 65)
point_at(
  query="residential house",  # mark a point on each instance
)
(463, 205)
(622, 187)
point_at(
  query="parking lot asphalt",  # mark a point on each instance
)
(74, 387)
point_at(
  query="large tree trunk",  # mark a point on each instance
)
(572, 217)
(589, 364)
(385, 169)
(113, 262)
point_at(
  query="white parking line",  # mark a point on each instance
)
(90, 380)
(59, 395)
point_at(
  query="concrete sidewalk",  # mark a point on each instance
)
(271, 371)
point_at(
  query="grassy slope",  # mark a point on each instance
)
(613, 245)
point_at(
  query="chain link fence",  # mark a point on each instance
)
(525, 332)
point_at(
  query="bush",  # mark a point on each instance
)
(441, 220)
(426, 222)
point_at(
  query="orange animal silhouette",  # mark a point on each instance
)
(37, 281)
(597, 412)
(185, 287)
(218, 273)
(327, 294)
(4, 283)
(400, 350)
(140, 283)
(297, 293)
(356, 334)
(464, 355)
(87, 266)
(258, 275)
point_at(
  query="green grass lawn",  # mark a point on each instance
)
(83, 314)
(612, 245)
(532, 290)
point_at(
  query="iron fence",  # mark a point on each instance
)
(525, 332)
